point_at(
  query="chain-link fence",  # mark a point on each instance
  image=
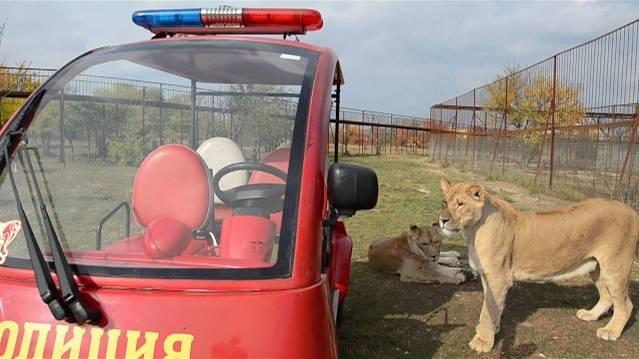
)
(568, 123)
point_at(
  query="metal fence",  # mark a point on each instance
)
(568, 123)
(362, 132)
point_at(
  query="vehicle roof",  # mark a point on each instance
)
(338, 76)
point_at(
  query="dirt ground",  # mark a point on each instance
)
(384, 318)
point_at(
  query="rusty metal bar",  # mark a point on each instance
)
(552, 121)
(631, 142)
(503, 128)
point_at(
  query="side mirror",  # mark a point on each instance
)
(351, 188)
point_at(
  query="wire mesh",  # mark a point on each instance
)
(568, 123)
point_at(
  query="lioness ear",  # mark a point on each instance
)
(445, 185)
(414, 232)
(477, 191)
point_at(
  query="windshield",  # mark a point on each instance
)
(173, 159)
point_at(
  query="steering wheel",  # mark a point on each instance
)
(255, 198)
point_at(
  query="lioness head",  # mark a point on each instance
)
(426, 241)
(462, 206)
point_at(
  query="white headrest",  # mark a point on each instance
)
(219, 152)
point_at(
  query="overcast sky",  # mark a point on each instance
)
(397, 57)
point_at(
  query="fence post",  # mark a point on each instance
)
(62, 159)
(596, 155)
(438, 139)
(469, 133)
(143, 116)
(194, 123)
(541, 152)
(631, 141)
(345, 137)
(361, 136)
(414, 144)
(181, 127)
(455, 133)
(391, 135)
(502, 128)
(552, 119)
(472, 130)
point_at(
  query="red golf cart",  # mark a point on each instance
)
(216, 145)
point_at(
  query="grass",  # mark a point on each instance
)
(384, 318)
(83, 193)
(526, 181)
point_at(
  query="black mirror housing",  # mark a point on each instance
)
(351, 188)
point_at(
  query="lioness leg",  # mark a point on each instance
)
(414, 271)
(495, 290)
(431, 273)
(450, 254)
(448, 261)
(604, 303)
(617, 284)
(444, 274)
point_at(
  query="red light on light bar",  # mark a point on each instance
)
(229, 20)
(304, 19)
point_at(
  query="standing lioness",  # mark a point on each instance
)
(597, 235)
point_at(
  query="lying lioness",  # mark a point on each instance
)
(415, 255)
(596, 235)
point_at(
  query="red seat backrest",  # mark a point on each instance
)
(173, 182)
(278, 159)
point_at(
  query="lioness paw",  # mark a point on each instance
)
(480, 345)
(587, 315)
(460, 278)
(607, 334)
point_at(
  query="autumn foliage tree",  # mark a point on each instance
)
(12, 80)
(527, 99)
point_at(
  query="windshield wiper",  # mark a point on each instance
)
(71, 307)
(69, 288)
(46, 286)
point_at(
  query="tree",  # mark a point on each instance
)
(527, 97)
(260, 123)
(12, 79)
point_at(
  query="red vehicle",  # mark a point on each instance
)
(216, 144)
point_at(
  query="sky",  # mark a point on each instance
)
(399, 57)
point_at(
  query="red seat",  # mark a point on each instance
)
(278, 159)
(173, 182)
(172, 197)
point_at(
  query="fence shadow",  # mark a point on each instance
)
(525, 299)
(384, 318)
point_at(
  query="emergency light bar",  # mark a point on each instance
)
(229, 20)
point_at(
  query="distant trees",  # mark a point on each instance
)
(10, 81)
(120, 123)
(259, 123)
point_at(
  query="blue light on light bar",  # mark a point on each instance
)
(229, 20)
(168, 18)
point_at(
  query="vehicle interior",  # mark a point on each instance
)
(164, 158)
